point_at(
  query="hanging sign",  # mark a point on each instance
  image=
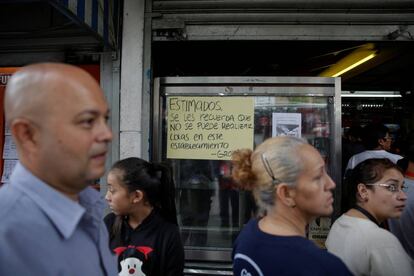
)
(208, 127)
(287, 124)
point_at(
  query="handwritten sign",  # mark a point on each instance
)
(209, 127)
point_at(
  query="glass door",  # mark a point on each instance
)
(198, 122)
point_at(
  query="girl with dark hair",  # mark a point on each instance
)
(143, 226)
(376, 188)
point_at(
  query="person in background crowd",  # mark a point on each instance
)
(228, 196)
(290, 183)
(403, 228)
(351, 144)
(377, 187)
(51, 221)
(377, 141)
(143, 226)
(196, 194)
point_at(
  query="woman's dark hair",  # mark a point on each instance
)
(367, 172)
(403, 164)
(154, 180)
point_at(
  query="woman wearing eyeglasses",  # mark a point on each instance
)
(377, 188)
(290, 184)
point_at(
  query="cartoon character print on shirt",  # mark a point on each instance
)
(130, 262)
(131, 267)
(244, 272)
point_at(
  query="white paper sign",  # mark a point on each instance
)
(264, 101)
(287, 124)
(319, 229)
(9, 150)
(8, 167)
(7, 130)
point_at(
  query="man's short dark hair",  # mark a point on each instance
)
(372, 133)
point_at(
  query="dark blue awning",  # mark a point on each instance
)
(68, 24)
(94, 14)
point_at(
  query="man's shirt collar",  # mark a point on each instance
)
(64, 213)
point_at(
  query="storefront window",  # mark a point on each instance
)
(211, 209)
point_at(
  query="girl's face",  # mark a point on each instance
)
(385, 199)
(120, 200)
(313, 192)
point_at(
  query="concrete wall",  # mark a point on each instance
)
(132, 79)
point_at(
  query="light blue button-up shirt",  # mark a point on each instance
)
(43, 232)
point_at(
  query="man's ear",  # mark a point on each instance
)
(24, 133)
(286, 195)
(381, 141)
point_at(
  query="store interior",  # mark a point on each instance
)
(378, 90)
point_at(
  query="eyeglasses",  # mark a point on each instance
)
(390, 187)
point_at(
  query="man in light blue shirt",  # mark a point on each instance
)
(50, 219)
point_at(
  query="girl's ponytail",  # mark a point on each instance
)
(166, 192)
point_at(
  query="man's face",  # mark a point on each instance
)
(386, 142)
(74, 135)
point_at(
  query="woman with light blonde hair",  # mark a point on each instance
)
(290, 183)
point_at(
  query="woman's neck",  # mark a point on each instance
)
(138, 216)
(357, 214)
(283, 223)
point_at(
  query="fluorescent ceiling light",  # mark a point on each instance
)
(354, 59)
(371, 94)
(352, 66)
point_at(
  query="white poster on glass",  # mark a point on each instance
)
(7, 130)
(287, 124)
